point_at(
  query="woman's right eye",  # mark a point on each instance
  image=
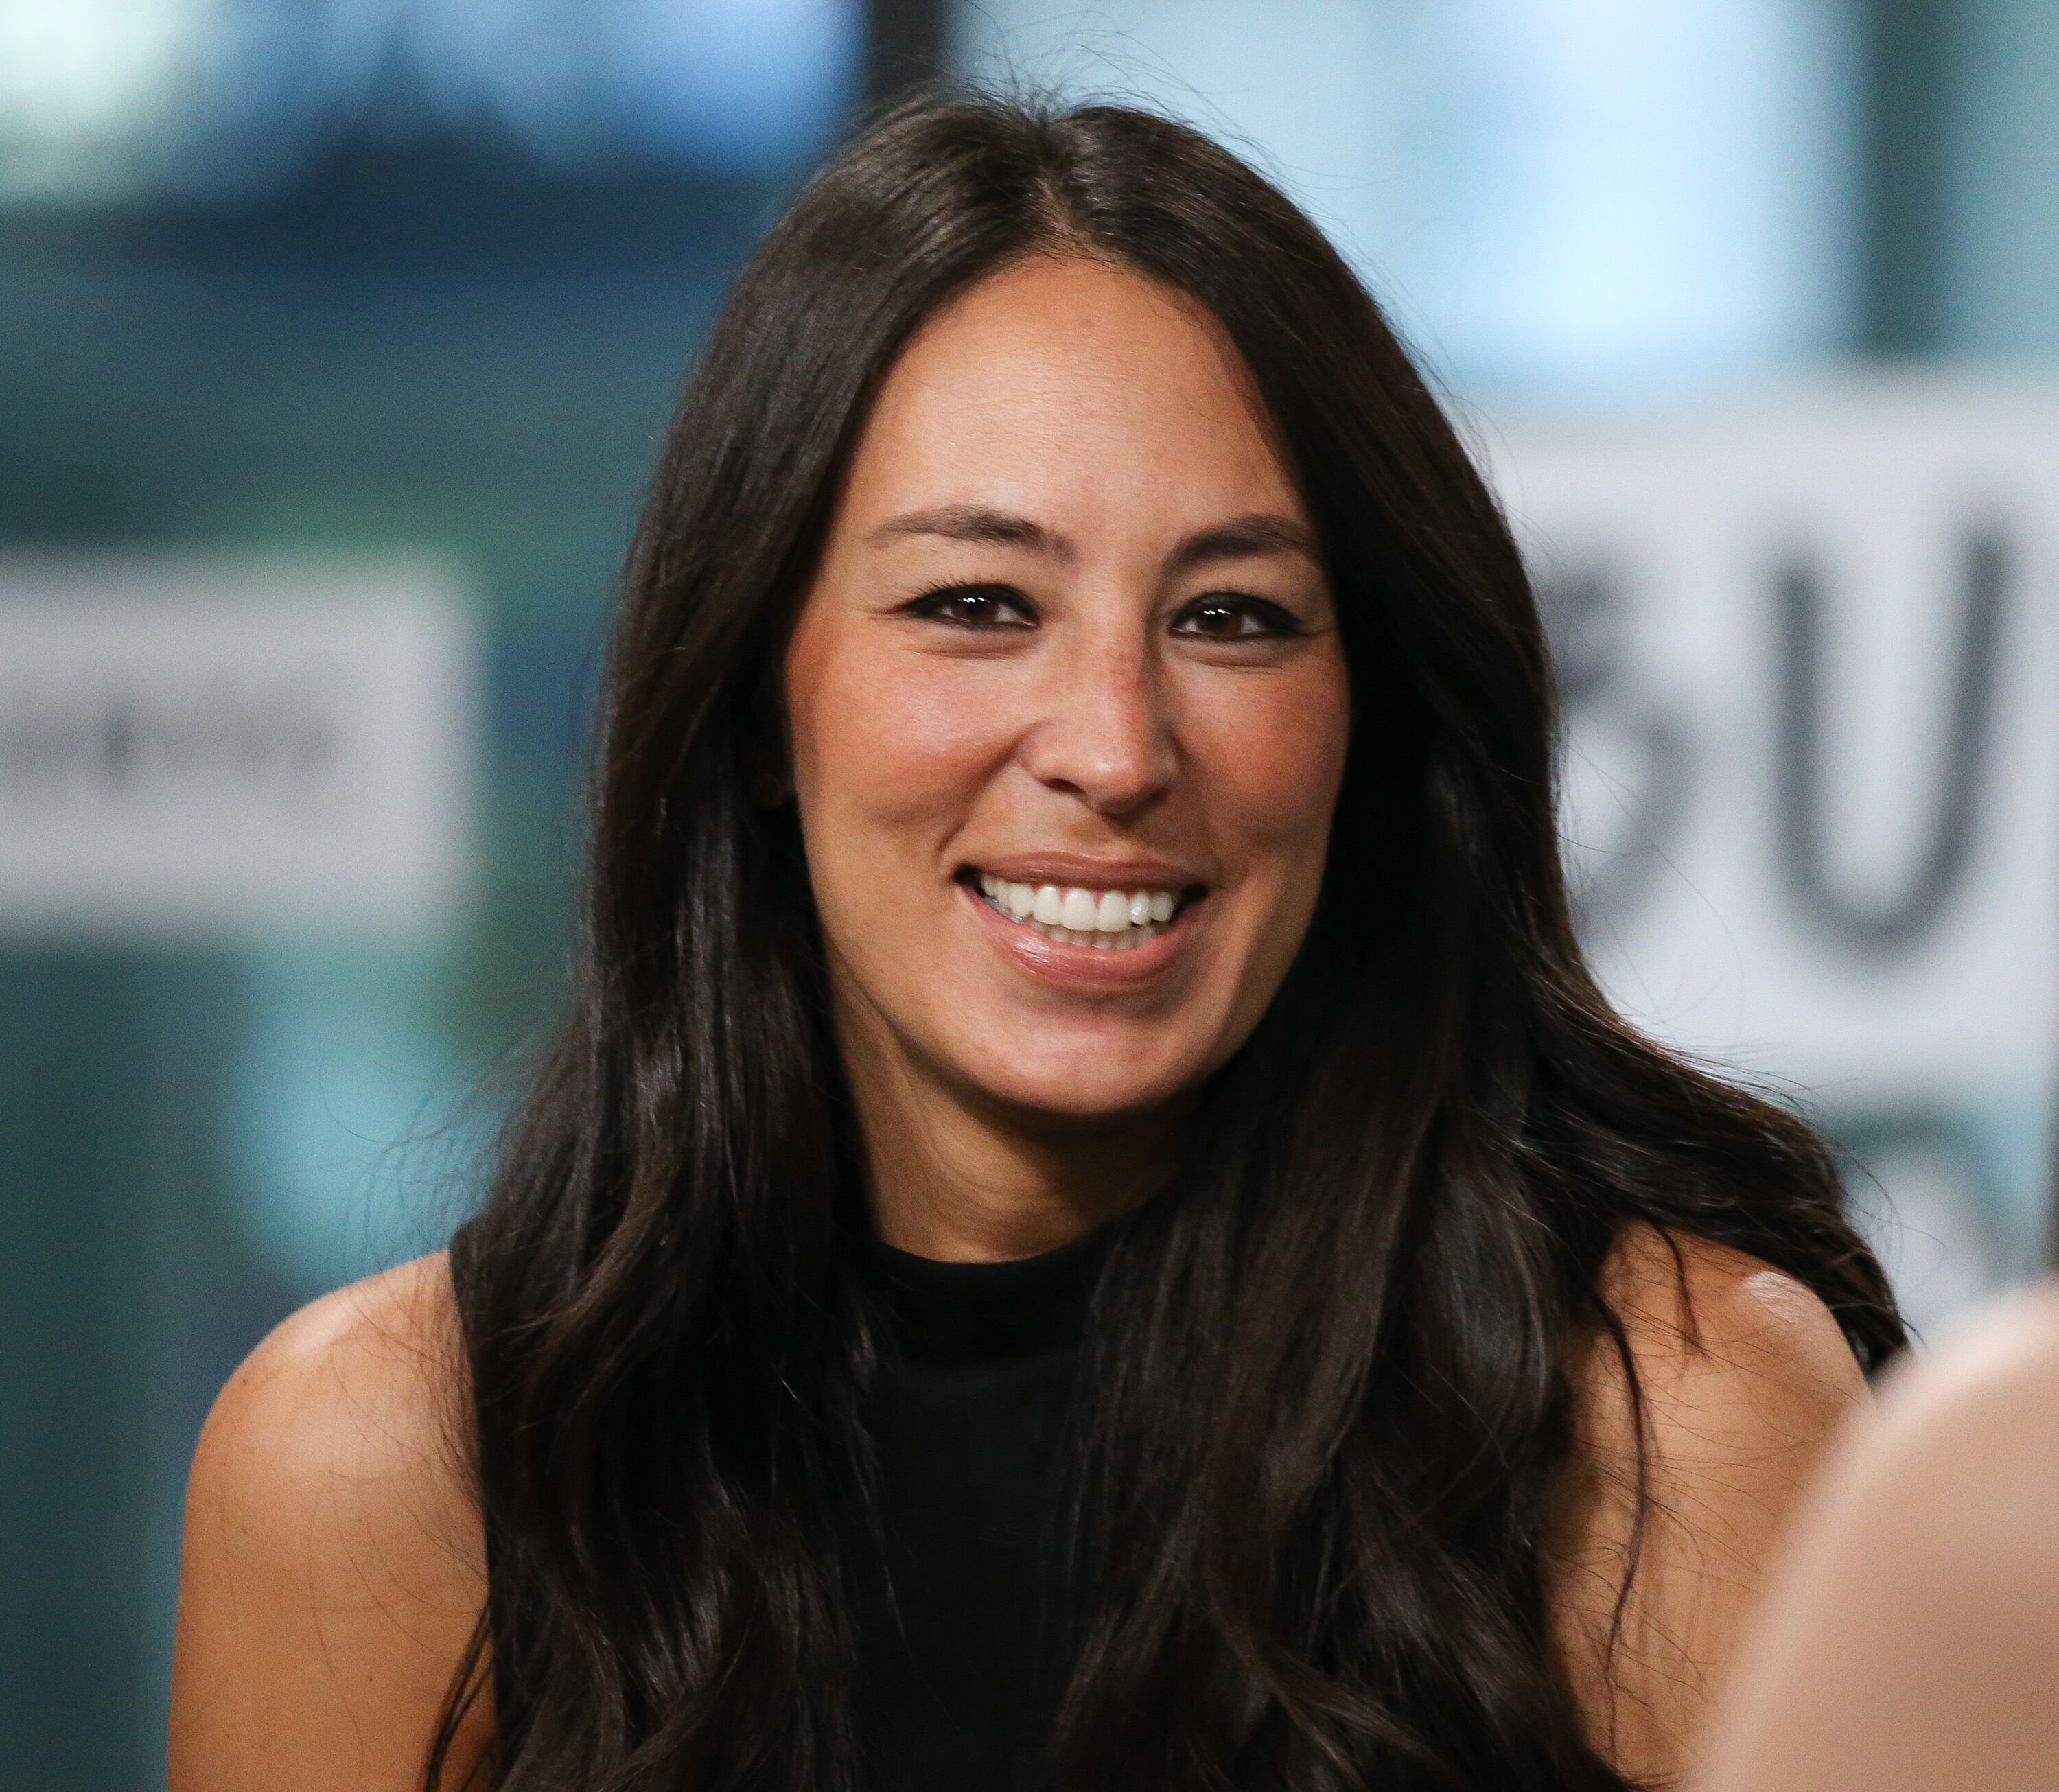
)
(978, 606)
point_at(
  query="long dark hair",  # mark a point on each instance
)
(1331, 1399)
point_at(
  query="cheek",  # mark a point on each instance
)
(880, 737)
(1275, 758)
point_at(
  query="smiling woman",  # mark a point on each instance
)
(1039, 684)
(1089, 1227)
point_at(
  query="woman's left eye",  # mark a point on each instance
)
(1232, 617)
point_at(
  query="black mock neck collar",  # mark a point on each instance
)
(975, 1313)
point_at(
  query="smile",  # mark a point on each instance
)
(1109, 920)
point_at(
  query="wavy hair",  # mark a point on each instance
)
(1332, 1398)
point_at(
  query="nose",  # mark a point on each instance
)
(1104, 735)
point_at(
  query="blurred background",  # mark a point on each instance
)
(335, 338)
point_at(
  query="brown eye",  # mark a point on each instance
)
(975, 607)
(1224, 617)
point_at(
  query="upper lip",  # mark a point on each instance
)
(1074, 870)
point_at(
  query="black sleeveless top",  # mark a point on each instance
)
(967, 1624)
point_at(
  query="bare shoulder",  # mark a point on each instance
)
(355, 1404)
(1672, 1506)
(332, 1569)
(1913, 1640)
(1728, 1351)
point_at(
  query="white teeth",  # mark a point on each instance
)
(1116, 942)
(1104, 919)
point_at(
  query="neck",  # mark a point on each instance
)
(955, 1182)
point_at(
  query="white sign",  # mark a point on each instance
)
(190, 749)
(1810, 653)
(1810, 656)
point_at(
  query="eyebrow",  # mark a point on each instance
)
(1240, 538)
(976, 523)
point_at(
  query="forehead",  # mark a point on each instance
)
(1071, 386)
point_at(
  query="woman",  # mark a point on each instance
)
(1090, 1226)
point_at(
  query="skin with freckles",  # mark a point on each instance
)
(1070, 626)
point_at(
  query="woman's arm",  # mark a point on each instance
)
(1914, 1640)
(333, 1569)
(1744, 1375)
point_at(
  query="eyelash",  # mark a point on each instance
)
(930, 604)
(1275, 622)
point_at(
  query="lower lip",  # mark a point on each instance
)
(1088, 969)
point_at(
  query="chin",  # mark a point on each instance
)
(1076, 1089)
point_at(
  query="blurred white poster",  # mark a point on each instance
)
(194, 748)
(1809, 652)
